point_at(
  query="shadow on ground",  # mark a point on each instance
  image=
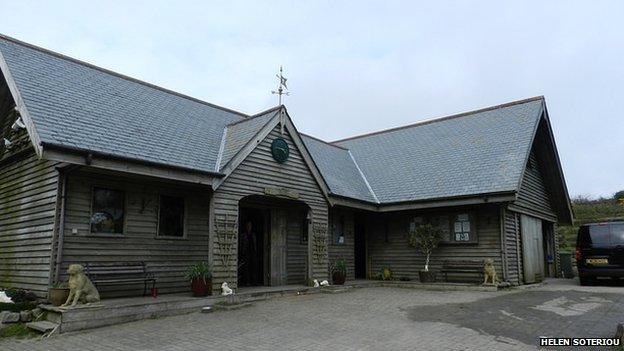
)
(527, 315)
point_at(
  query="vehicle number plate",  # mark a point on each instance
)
(597, 261)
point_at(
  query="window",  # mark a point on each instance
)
(442, 223)
(107, 211)
(171, 216)
(338, 230)
(462, 228)
(617, 234)
(415, 223)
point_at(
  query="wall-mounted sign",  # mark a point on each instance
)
(281, 192)
(280, 150)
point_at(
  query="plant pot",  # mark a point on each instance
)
(201, 287)
(427, 276)
(338, 278)
(58, 296)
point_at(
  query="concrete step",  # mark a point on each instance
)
(42, 326)
(53, 316)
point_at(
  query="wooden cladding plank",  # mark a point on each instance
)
(257, 172)
(168, 259)
(28, 196)
(511, 239)
(342, 251)
(387, 244)
(534, 196)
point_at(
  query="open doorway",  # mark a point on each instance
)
(254, 225)
(359, 248)
(272, 241)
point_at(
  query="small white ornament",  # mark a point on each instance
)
(4, 298)
(225, 289)
(316, 283)
(324, 283)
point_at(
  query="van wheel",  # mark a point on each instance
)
(586, 281)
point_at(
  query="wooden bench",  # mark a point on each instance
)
(473, 267)
(118, 273)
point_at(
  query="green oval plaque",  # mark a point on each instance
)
(280, 150)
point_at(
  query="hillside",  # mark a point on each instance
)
(590, 210)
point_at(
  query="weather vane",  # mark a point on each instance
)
(282, 89)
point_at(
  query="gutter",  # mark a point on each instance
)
(88, 154)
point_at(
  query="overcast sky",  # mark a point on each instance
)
(363, 66)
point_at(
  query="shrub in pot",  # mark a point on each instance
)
(58, 294)
(200, 276)
(386, 274)
(339, 272)
(425, 238)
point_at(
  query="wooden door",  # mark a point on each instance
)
(279, 227)
(532, 249)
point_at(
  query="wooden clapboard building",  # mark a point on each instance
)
(98, 167)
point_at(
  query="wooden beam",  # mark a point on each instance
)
(473, 200)
(130, 167)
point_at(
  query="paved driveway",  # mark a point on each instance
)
(370, 319)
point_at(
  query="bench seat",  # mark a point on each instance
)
(473, 267)
(117, 273)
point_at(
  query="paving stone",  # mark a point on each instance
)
(9, 317)
(42, 326)
(379, 318)
(25, 316)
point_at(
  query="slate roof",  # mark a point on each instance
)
(473, 153)
(79, 106)
(239, 133)
(338, 169)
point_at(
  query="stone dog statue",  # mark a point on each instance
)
(490, 272)
(81, 289)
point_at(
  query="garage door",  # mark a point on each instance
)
(532, 249)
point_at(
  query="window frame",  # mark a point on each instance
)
(184, 235)
(125, 208)
(474, 236)
(449, 238)
(340, 218)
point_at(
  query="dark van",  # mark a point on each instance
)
(600, 251)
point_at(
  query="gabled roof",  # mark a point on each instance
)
(72, 105)
(78, 106)
(479, 152)
(339, 170)
(237, 134)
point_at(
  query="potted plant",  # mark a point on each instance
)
(200, 276)
(386, 274)
(339, 272)
(425, 238)
(58, 293)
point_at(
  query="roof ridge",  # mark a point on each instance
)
(324, 142)
(261, 114)
(117, 74)
(268, 110)
(444, 118)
